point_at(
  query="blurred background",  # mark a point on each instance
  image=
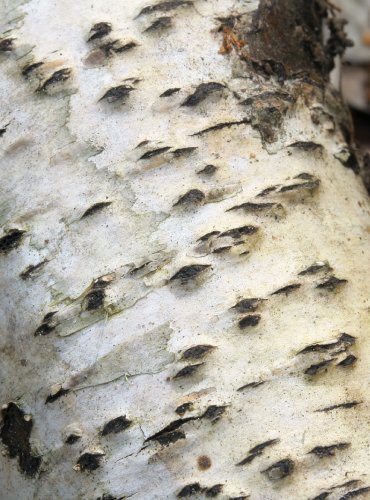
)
(355, 77)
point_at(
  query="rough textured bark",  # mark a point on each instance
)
(184, 249)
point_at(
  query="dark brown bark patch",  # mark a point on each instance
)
(285, 39)
(15, 434)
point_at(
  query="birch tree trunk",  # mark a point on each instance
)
(184, 254)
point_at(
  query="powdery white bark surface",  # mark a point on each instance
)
(122, 249)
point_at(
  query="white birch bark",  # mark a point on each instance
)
(106, 200)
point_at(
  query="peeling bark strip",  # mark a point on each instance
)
(174, 176)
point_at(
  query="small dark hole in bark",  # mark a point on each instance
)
(89, 461)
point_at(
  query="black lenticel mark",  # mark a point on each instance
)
(116, 425)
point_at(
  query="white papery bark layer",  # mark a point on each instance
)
(115, 343)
